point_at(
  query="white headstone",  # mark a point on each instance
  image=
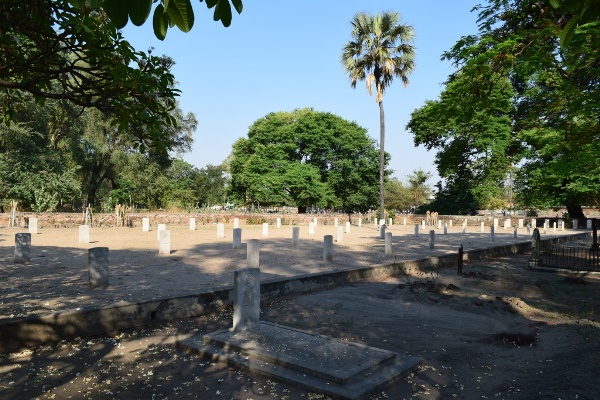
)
(161, 227)
(391, 222)
(33, 226)
(236, 223)
(315, 222)
(335, 222)
(145, 224)
(84, 233)
(192, 224)
(533, 223)
(507, 223)
(340, 234)
(439, 224)
(388, 243)
(278, 223)
(295, 236)
(375, 221)
(404, 221)
(562, 225)
(347, 226)
(382, 231)
(265, 230)
(495, 223)
(482, 227)
(220, 230)
(520, 222)
(164, 243)
(360, 222)
(311, 228)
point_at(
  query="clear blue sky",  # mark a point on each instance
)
(282, 55)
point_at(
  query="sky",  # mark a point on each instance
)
(280, 55)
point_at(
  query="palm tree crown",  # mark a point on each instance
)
(378, 52)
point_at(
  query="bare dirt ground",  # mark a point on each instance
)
(497, 331)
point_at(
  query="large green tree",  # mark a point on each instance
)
(472, 131)
(305, 158)
(379, 51)
(556, 96)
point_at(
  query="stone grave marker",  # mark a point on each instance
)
(295, 236)
(237, 238)
(575, 223)
(482, 227)
(84, 233)
(220, 230)
(328, 248)
(388, 243)
(445, 228)
(535, 248)
(164, 243)
(246, 299)
(236, 223)
(98, 267)
(515, 232)
(311, 228)
(335, 222)
(161, 227)
(431, 239)
(589, 224)
(145, 224)
(495, 223)
(278, 223)
(347, 227)
(382, 231)
(265, 229)
(192, 224)
(253, 253)
(340, 234)
(22, 252)
(391, 222)
(492, 232)
(416, 230)
(360, 222)
(33, 225)
(520, 222)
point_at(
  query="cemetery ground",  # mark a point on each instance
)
(499, 330)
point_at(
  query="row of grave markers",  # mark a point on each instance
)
(98, 263)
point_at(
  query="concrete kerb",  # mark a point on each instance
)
(27, 332)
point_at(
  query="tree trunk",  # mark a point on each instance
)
(381, 160)
(575, 211)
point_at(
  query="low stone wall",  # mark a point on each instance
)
(134, 220)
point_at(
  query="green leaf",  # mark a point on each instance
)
(160, 22)
(77, 3)
(238, 5)
(117, 11)
(223, 12)
(555, 3)
(181, 14)
(139, 10)
(211, 3)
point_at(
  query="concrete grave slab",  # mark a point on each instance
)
(315, 362)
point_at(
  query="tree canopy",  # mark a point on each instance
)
(542, 106)
(305, 158)
(167, 13)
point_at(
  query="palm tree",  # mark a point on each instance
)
(378, 52)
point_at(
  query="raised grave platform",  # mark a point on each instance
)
(330, 366)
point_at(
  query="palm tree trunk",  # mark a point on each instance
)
(381, 160)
